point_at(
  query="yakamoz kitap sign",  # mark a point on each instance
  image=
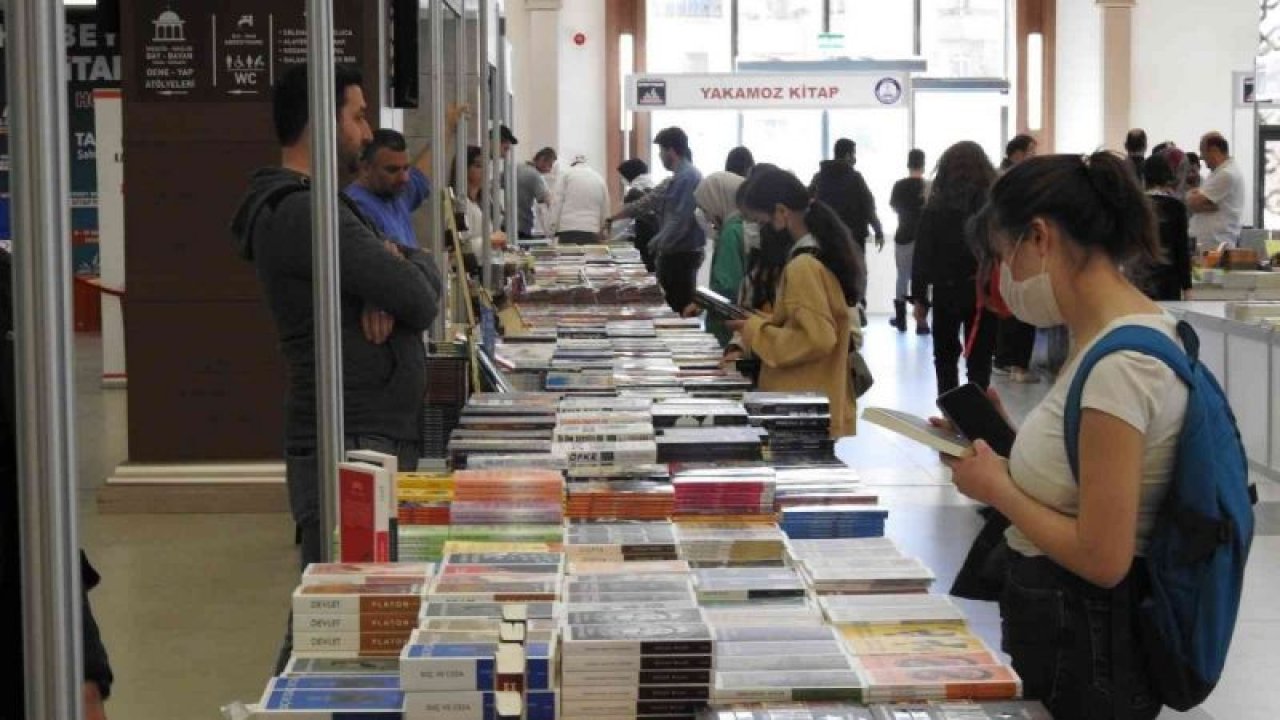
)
(738, 91)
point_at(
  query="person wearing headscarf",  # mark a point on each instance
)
(716, 197)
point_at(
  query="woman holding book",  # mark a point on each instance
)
(716, 198)
(1062, 227)
(804, 344)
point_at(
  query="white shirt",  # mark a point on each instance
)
(1225, 187)
(1135, 388)
(581, 201)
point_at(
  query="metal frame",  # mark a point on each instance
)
(47, 487)
(490, 137)
(439, 160)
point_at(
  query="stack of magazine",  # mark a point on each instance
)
(799, 425)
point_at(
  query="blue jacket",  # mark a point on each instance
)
(680, 231)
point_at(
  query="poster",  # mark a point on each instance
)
(93, 62)
(228, 50)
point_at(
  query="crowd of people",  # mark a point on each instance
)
(1065, 243)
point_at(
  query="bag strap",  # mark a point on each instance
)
(1128, 338)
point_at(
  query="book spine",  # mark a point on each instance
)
(450, 705)
(638, 647)
(362, 643)
(356, 511)
(356, 623)
(446, 674)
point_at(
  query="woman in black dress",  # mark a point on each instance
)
(1170, 278)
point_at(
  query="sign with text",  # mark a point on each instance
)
(218, 50)
(759, 91)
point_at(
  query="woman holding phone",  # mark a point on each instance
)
(804, 344)
(1062, 227)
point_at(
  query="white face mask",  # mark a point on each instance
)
(1032, 300)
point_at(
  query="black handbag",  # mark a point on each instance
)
(982, 576)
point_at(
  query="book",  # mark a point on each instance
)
(367, 573)
(716, 303)
(363, 534)
(334, 682)
(342, 667)
(962, 682)
(906, 639)
(355, 599)
(333, 701)
(790, 685)
(918, 429)
(387, 510)
(361, 623)
(648, 639)
(356, 644)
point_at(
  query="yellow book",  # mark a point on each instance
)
(907, 639)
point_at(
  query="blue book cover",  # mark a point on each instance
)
(334, 700)
(540, 705)
(336, 682)
(453, 650)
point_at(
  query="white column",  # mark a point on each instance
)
(1117, 43)
(541, 95)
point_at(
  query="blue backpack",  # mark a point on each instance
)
(1200, 542)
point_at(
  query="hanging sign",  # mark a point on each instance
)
(759, 91)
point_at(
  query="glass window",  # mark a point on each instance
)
(690, 36)
(790, 139)
(882, 138)
(779, 28)
(964, 38)
(874, 28)
(712, 134)
(945, 118)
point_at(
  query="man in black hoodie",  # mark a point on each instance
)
(842, 187)
(389, 294)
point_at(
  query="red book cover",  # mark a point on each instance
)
(357, 498)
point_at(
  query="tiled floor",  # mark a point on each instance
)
(192, 606)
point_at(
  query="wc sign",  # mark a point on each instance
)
(755, 91)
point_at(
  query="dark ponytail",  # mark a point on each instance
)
(1095, 199)
(770, 188)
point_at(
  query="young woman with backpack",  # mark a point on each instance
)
(1061, 227)
(804, 344)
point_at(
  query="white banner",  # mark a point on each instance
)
(761, 91)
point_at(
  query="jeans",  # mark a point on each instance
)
(302, 475)
(1059, 632)
(902, 255)
(952, 325)
(1015, 343)
(678, 276)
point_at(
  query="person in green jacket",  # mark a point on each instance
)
(716, 196)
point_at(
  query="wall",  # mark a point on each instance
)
(1078, 111)
(1182, 97)
(582, 82)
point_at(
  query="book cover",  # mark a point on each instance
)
(357, 512)
(373, 644)
(348, 599)
(918, 429)
(387, 518)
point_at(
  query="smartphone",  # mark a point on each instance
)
(976, 417)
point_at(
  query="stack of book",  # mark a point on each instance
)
(356, 691)
(424, 498)
(778, 612)
(820, 485)
(717, 586)
(814, 522)
(928, 661)
(710, 444)
(698, 412)
(620, 542)
(835, 575)
(619, 499)
(731, 544)
(798, 423)
(724, 492)
(448, 385)
(498, 577)
(618, 662)
(506, 434)
(518, 497)
(889, 609)
(357, 611)
(938, 710)
(793, 663)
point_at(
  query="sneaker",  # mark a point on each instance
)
(1024, 377)
(1000, 370)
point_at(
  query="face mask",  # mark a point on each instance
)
(1032, 300)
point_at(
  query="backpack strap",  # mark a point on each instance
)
(1132, 338)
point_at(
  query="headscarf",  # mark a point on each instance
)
(716, 196)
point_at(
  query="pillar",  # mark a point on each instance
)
(1117, 42)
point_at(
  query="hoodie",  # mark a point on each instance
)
(844, 189)
(383, 384)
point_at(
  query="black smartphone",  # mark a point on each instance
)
(976, 417)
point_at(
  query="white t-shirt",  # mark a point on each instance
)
(581, 201)
(1225, 187)
(1139, 390)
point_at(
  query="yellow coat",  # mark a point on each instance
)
(804, 344)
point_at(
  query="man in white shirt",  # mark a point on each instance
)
(581, 205)
(1218, 204)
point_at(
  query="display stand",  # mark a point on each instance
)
(1245, 357)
